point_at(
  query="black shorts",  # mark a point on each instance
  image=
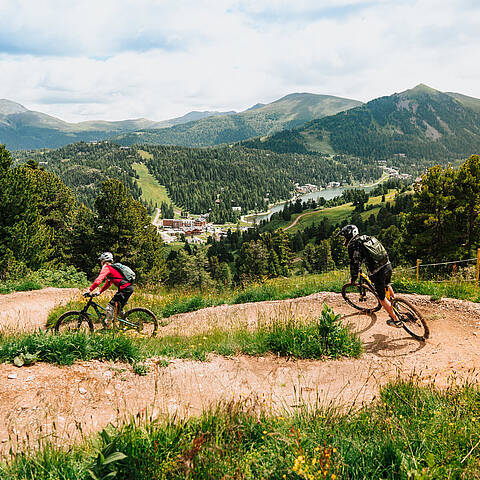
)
(121, 297)
(381, 280)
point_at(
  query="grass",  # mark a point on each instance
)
(66, 348)
(462, 290)
(152, 191)
(326, 337)
(411, 432)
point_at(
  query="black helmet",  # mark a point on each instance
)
(348, 232)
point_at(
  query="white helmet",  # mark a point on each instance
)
(106, 257)
(348, 232)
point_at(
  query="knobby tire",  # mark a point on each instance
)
(351, 293)
(144, 318)
(74, 318)
(412, 321)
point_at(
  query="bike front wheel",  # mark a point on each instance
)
(412, 320)
(361, 297)
(73, 321)
(142, 320)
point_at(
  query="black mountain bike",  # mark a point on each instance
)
(139, 319)
(362, 296)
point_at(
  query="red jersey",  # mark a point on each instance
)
(110, 275)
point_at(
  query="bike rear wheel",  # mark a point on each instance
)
(144, 321)
(412, 320)
(361, 297)
(73, 321)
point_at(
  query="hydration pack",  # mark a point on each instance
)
(375, 250)
(126, 272)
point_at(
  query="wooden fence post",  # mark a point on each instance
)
(478, 265)
(418, 268)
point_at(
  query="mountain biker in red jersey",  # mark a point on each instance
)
(378, 264)
(111, 275)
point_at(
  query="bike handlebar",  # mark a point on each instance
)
(91, 295)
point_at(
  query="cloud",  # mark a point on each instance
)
(158, 59)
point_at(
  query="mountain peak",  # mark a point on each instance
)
(7, 107)
(421, 89)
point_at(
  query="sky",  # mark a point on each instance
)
(117, 59)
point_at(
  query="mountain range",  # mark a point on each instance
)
(414, 125)
(21, 128)
(288, 112)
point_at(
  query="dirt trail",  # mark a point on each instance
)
(87, 396)
(27, 311)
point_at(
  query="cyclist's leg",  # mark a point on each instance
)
(109, 313)
(114, 308)
(122, 298)
(381, 281)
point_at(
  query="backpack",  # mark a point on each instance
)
(126, 272)
(375, 250)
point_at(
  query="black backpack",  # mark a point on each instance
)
(376, 252)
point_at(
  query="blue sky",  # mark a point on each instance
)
(117, 59)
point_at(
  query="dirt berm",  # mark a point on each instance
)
(66, 401)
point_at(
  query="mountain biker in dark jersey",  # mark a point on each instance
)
(111, 275)
(379, 269)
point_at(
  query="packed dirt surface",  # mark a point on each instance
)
(27, 311)
(68, 402)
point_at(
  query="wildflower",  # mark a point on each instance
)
(333, 476)
(334, 450)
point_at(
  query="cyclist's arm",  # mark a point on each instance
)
(101, 277)
(106, 285)
(356, 260)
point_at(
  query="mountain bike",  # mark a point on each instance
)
(362, 296)
(139, 319)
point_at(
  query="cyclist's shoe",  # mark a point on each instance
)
(394, 323)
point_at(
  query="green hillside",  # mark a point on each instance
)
(288, 112)
(411, 128)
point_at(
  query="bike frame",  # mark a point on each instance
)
(370, 284)
(99, 311)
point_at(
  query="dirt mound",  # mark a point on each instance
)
(27, 311)
(87, 396)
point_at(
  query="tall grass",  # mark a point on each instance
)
(320, 338)
(412, 432)
(66, 348)
(325, 337)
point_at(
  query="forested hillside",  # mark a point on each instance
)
(221, 178)
(288, 112)
(415, 128)
(200, 179)
(85, 166)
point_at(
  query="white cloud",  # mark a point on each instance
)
(158, 59)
